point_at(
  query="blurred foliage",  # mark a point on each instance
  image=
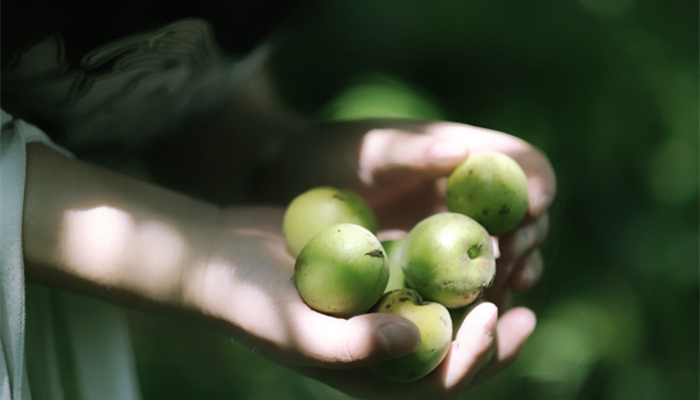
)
(380, 96)
(609, 90)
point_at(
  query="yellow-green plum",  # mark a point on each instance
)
(491, 188)
(320, 207)
(393, 253)
(342, 271)
(433, 321)
(448, 258)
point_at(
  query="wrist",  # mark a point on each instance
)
(118, 238)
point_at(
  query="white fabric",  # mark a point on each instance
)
(12, 162)
(97, 333)
(99, 344)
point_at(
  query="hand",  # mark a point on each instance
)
(400, 167)
(230, 267)
(246, 286)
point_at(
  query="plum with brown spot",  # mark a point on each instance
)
(342, 271)
(490, 187)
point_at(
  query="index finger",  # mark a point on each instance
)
(540, 174)
(434, 149)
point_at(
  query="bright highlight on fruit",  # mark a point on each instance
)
(319, 208)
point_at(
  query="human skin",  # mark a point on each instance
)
(228, 265)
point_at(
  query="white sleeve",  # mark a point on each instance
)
(12, 312)
(98, 335)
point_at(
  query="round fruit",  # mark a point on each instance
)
(448, 258)
(490, 188)
(342, 271)
(433, 321)
(319, 208)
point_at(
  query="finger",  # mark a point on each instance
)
(512, 247)
(391, 234)
(387, 153)
(367, 339)
(527, 272)
(470, 347)
(539, 171)
(364, 153)
(523, 240)
(514, 328)
(466, 354)
(406, 207)
(541, 181)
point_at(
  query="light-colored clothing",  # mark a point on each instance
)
(96, 333)
(156, 79)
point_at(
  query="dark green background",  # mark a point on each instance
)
(609, 90)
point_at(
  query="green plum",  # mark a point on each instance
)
(433, 321)
(393, 253)
(491, 188)
(448, 258)
(342, 271)
(320, 207)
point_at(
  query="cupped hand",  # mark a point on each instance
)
(401, 167)
(246, 286)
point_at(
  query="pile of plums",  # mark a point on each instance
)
(442, 266)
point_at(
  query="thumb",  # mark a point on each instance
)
(356, 342)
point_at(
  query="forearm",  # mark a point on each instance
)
(95, 231)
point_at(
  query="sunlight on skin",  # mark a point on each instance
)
(159, 247)
(478, 139)
(443, 146)
(281, 318)
(249, 306)
(358, 335)
(96, 239)
(256, 233)
(107, 245)
(471, 345)
(482, 139)
(383, 148)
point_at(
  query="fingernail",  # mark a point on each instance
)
(444, 150)
(483, 313)
(398, 338)
(496, 248)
